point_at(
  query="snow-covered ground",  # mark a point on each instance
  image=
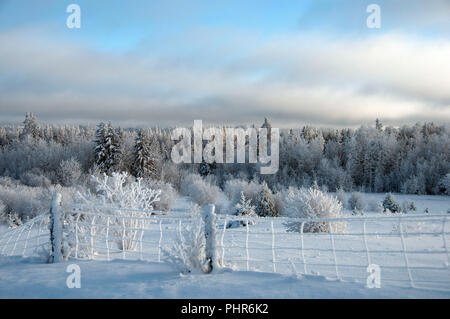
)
(32, 278)
(22, 278)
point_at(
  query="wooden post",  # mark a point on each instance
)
(209, 218)
(55, 230)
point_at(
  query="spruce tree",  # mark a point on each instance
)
(144, 164)
(390, 204)
(31, 127)
(107, 149)
(265, 203)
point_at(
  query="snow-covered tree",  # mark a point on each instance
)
(390, 204)
(204, 169)
(31, 127)
(265, 206)
(107, 148)
(245, 207)
(144, 163)
(313, 203)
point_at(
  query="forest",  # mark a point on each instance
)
(37, 159)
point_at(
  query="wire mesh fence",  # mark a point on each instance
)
(410, 250)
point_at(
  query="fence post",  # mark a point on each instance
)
(209, 218)
(55, 230)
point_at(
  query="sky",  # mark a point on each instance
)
(226, 62)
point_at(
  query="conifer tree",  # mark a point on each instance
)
(144, 164)
(265, 203)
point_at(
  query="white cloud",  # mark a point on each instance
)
(294, 78)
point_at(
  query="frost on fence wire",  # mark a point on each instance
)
(106, 233)
(30, 239)
(412, 251)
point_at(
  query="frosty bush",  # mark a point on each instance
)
(35, 178)
(2, 211)
(414, 185)
(168, 195)
(116, 192)
(390, 204)
(408, 206)
(234, 187)
(200, 190)
(444, 184)
(340, 195)
(374, 206)
(24, 201)
(14, 220)
(356, 201)
(69, 172)
(188, 251)
(313, 203)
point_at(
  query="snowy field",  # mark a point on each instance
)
(261, 261)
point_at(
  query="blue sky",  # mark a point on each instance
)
(170, 62)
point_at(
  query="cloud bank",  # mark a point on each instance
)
(292, 78)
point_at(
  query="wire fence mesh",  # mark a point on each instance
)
(410, 250)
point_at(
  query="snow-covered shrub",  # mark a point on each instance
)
(168, 195)
(69, 172)
(265, 206)
(408, 206)
(35, 178)
(188, 251)
(223, 205)
(199, 190)
(356, 201)
(170, 173)
(7, 181)
(234, 187)
(23, 200)
(3, 215)
(278, 200)
(390, 204)
(444, 184)
(14, 220)
(310, 204)
(243, 208)
(374, 206)
(127, 201)
(414, 185)
(340, 195)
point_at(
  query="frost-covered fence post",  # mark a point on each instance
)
(222, 259)
(55, 230)
(404, 252)
(209, 218)
(303, 245)
(160, 240)
(445, 240)
(273, 248)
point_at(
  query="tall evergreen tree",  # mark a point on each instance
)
(265, 203)
(107, 148)
(144, 164)
(31, 127)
